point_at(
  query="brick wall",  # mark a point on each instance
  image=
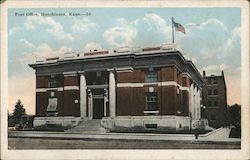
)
(220, 110)
(132, 100)
(66, 105)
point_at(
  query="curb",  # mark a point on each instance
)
(110, 137)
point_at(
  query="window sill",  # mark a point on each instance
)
(151, 84)
(151, 112)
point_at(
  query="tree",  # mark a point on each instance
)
(18, 112)
(235, 115)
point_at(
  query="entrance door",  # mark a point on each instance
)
(98, 110)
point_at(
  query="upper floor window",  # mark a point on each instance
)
(209, 92)
(215, 103)
(151, 76)
(216, 92)
(209, 103)
(151, 101)
(215, 81)
(53, 82)
(209, 81)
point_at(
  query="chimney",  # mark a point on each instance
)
(204, 73)
(222, 73)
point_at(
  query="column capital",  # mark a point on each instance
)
(111, 70)
(81, 72)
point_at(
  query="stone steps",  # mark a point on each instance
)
(88, 126)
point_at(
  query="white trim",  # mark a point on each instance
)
(57, 89)
(70, 75)
(130, 84)
(147, 112)
(184, 88)
(166, 83)
(72, 72)
(60, 89)
(71, 87)
(81, 72)
(49, 89)
(124, 69)
(41, 90)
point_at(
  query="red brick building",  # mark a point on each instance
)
(214, 98)
(125, 88)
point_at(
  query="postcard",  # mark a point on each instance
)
(124, 80)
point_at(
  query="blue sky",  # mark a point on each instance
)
(212, 39)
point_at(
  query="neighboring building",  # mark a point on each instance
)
(126, 88)
(214, 100)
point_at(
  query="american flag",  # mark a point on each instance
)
(179, 27)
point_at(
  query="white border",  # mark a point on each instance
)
(126, 154)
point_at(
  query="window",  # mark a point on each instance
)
(216, 92)
(209, 103)
(151, 101)
(209, 92)
(151, 76)
(215, 103)
(53, 82)
(52, 107)
(215, 81)
(209, 81)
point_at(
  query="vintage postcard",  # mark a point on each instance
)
(124, 80)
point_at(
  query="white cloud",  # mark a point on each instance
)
(53, 27)
(216, 69)
(122, 34)
(154, 21)
(42, 50)
(92, 46)
(235, 33)
(14, 30)
(213, 39)
(27, 43)
(84, 25)
(213, 22)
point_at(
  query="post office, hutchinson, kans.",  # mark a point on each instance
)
(126, 88)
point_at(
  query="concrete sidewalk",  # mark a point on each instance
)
(217, 136)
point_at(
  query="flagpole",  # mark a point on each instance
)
(172, 29)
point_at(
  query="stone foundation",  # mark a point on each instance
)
(54, 123)
(174, 123)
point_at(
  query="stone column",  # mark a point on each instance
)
(83, 96)
(112, 94)
(199, 104)
(90, 105)
(191, 100)
(195, 102)
(105, 101)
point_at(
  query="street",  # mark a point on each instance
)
(44, 143)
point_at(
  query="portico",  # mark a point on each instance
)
(97, 99)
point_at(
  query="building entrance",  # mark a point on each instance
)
(98, 110)
(98, 106)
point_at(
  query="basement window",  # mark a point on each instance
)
(52, 107)
(151, 125)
